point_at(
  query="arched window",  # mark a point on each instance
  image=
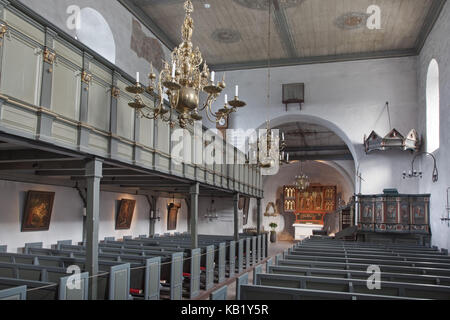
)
(95, 33)
(433, 107)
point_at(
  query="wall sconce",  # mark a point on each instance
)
(418, 174)
(447, 208)
(157, 216)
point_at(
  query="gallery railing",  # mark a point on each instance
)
(56, 90)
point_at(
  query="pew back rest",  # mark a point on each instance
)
(17, 293)
(152, 278)
(250, 292)
(119, 282)
(220, 294)
(176, 276)
(74, 287)
(240, 281)
(257, 270)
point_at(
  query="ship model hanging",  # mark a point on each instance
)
(393, 140)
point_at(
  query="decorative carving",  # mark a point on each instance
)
(49, 56)
(352, 20)
(271, 210)
(226, 35)
(86, 77)
(393, 140)
(3, 30)
(115, 92)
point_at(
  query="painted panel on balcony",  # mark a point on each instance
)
(21, 69)
(163, 136)
(125, 118)
(99, 105)
(146, 126)
(66, 89)
(23, 26)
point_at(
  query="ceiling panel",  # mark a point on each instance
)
(234, 33)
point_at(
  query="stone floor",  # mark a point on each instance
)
(274, 249)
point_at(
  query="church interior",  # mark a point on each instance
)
(224, 150)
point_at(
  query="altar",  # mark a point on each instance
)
(309, 207)
(303, 231)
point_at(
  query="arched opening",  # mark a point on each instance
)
(96, 33)
(433, 107)
(321, 151)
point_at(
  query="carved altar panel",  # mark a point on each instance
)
(311, 205)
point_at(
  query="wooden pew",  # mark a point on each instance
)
(145, 273)
(240, 281)
(364, 267)
(354, 274)
(114, 268)
(257, 270)
(261, 293)
(16, 293)
(409, 290)
(373, 255)
(248, 250)
(394, 261)
(38, 276)
(219, 294)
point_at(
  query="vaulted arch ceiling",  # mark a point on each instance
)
(232, 34)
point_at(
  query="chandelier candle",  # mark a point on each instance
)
(182, 80)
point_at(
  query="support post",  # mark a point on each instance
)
(194, 191)
(236, 216)
(93, 177)
(152, 204)
(258, 216)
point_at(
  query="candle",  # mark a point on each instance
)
(226, 99)
(237, 91)
(282, 136)
(287, 157)
(213, 76)
(137, 77)
(173, 70)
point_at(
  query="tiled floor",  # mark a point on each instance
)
(274, 249)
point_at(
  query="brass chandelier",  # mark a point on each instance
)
(302, 181)
(182, 81)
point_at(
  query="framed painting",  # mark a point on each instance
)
(125, 214)
(172, 216)
(38, 211)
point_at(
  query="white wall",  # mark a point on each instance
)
(67, 217)
(437, 47)
(225, 224)
(346, 97)
(118, 18)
